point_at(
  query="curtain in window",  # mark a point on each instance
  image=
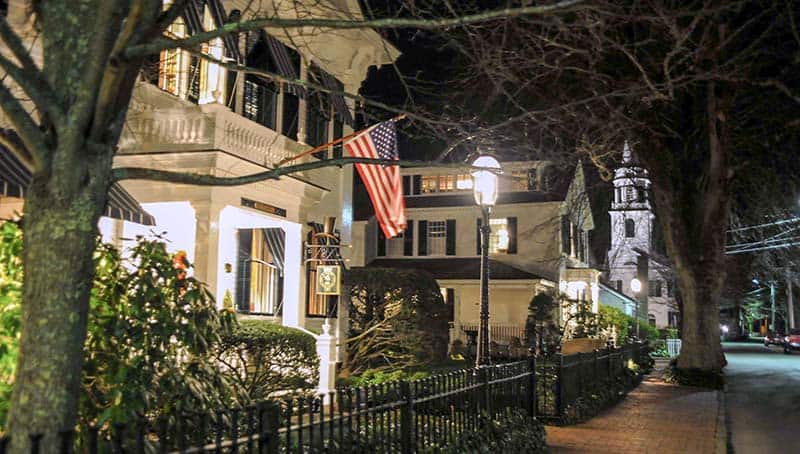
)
(276, 243)
(218, 13)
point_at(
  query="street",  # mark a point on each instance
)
(762, 398)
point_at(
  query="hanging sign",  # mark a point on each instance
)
(329, 279)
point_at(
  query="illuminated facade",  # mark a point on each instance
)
(538, 242)
(249, 243)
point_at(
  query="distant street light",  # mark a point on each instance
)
(636, 287)
(485, 191)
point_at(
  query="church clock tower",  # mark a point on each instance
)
(631, 222)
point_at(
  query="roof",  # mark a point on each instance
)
(456, 268)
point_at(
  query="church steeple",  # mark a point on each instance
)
(631, 213)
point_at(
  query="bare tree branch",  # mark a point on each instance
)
(344, 24)
(140, 173)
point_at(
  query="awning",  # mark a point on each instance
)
(15, 179)
(218, 14)
(339, 104)
(284, 63)
(193, 17)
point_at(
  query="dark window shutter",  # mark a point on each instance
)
(408, 239)
(451, 303)
(512, 235)
(565, 235)
(451, 237)
(417, 184)
(406, 185)
(381, 243)
(243, 270)
(478, 236)
(422, 243)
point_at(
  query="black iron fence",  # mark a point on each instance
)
(395, 417)
(562, 379)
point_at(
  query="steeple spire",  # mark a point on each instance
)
(626, 153)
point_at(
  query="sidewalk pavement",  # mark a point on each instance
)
(656, 417)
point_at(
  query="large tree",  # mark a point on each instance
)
(70, 68)
(699, 90)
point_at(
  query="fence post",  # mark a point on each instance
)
(595, 375)
(268, 425)
(407, 441)
(532, 388)
(487, 392)
(559, 385)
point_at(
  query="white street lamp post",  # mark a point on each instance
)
(485, 191)
(636, 286)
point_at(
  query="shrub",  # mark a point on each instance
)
(150, 333)
(398, 319)
(10, 311)
(260, 357)
(624, 324)
(517, 432)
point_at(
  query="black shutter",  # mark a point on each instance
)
(422, 243)
(417, 185)
(408, 239)
(406, 185)
(478, 236)
(245, 237)
(451, 303)
(450, 244)
(565, 234)
(381, 243)
(512, 235)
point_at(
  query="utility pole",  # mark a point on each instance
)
(772, 305)
(789, 300)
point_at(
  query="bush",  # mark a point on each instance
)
(150, 333)
(261, 357)
(398, 319)
(625, 324)
(517, 433)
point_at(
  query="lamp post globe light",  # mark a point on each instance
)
(485, 190)
(636, 287)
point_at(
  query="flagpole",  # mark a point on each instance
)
(331, 143)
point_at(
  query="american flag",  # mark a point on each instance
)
(384, 185)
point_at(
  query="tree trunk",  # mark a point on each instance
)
(59, 240)
(701, 347)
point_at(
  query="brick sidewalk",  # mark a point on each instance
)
(656, 417)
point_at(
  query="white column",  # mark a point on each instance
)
(293, 291)
(206, 243)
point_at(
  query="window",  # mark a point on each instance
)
(395, 245)
(674, 319)
(464, 182)
(448, 295)
(259, 275)
(618, 285)
(670, 289)
(429, 183)
(447, 183)
(437, 237)
(523, 180)
(641, 195)
(566, 235)
(498, 236)
(654, 288)
(630, 228)
(260, 95)
(629, 194)
(261, 101)
(651, 319)
(174, 63)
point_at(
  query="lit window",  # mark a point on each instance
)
(437, 237)
(259, 285)
(523, 180)
(428, 183)
(174, 63)
(498, 238)
(447, 183)
(464, 182)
